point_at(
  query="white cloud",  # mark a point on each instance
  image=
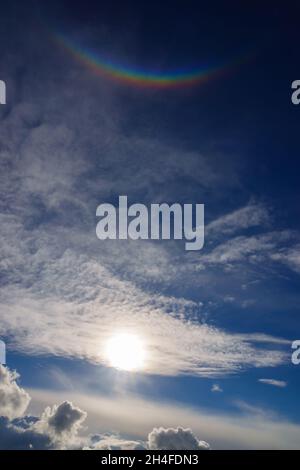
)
(31, 432)
(173, 344)
(113, 442)
(274, 382)
(13, 399)
(251, 215)
(133, 417)
(289, 257)
(175, 439)
(216, 388)
(64, 302)
(17, 437)
(246, 248)
(58, 427)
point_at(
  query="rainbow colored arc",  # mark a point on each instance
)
(136, 76)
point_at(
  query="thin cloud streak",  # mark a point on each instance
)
(274, 382)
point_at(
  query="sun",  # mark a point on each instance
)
(125, 351)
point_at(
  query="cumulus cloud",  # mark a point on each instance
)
(274, 382)
(158, 439)
(19, 436)
(59, 427)
(133, 416)
(61, 423)
(247, 248)
(63, 292)
(31, 432)
(13, 399)
(175, 439)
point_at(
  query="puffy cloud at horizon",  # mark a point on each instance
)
(58, 427)
(61, 423)
(64, 426)
(113, 442)
(158, 439)
(249, 427)
(175, 439)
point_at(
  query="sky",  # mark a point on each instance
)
(89, 116)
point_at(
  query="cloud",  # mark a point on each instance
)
(178, 346)
(263, 338)
(252, 249)
(16, 437)
(64, 418)
(289, 257)
(64, 293)
(113, 442)
(58, 427)
(216, 388)
(61, 423)
(232, 245)
(251, 215)
(13, 399)
(31, 432)
(133, 416)
(175, 439)
(275, 383)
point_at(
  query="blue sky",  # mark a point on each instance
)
(71, 139)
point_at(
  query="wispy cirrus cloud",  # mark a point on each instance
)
(59, 300)
(274, 382)
(289, 257)
(251, 215)
(252, 249)
(63, 292)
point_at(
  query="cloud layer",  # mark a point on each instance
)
(76, 316)
(59, 426)
(274, 382)
(65, 293)
(65, 425)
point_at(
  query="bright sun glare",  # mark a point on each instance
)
(125, 351)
